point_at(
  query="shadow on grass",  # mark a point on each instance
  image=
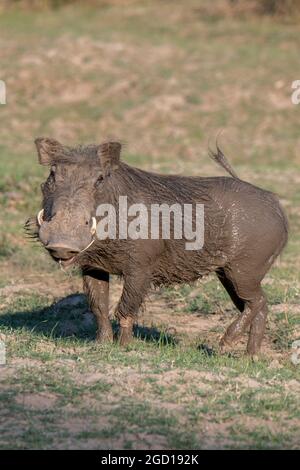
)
(70, 317)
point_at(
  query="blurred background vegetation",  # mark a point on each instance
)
(282, 8)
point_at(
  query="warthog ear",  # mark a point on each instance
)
(48, 150)
(109, 155)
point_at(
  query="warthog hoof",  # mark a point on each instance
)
(125, 336)
(105, 336)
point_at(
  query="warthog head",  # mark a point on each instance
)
(66, 223)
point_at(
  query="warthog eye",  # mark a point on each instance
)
(99, 181)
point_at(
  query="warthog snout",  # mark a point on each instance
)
(66, 235)
(62, 251)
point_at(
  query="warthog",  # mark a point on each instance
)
(245, 229)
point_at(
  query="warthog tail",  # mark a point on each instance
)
(220, 158)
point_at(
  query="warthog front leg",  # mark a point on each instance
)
(134, 291)
(96, 287)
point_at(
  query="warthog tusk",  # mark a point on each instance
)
(40, 217)
(93, 231)
(94, 226)
(90, 244)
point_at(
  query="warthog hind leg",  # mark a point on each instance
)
(248, 296)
